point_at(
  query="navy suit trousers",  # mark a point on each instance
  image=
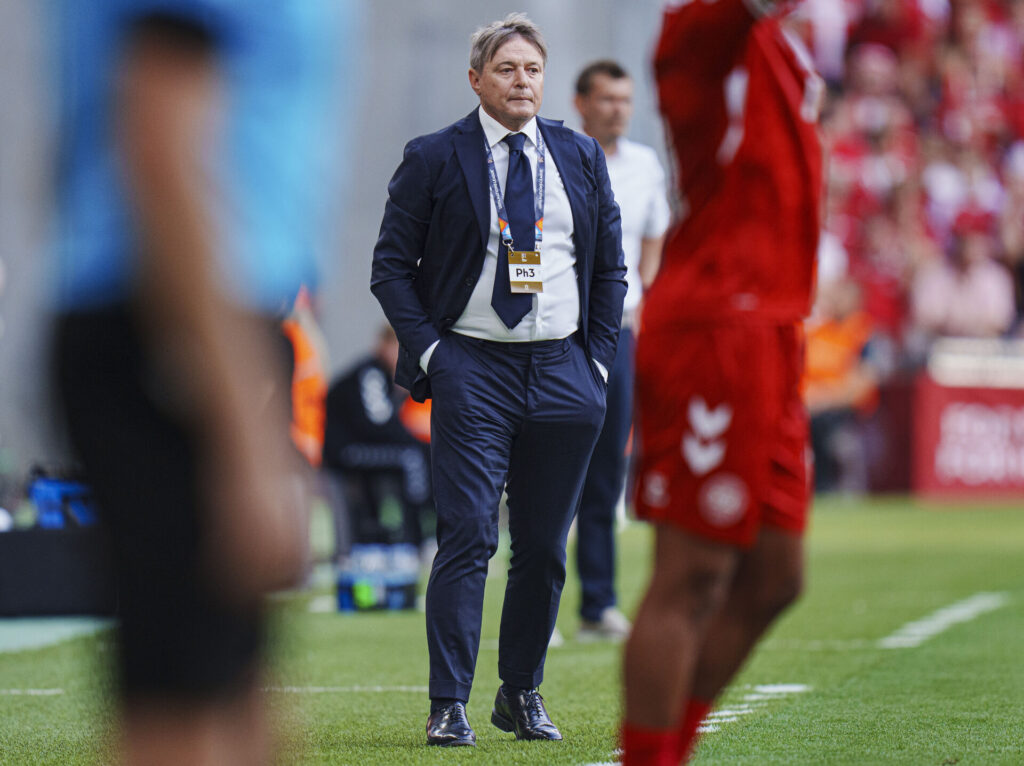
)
(595, 527)
(525, 414)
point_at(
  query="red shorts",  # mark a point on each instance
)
(722, 430)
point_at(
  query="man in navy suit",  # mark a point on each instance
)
(499, 264)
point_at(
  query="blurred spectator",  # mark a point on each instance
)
(882, 268)
(970, 294)
(1011, 220)
(898, 24)
(924, 126)
(369, 447)
(840, 384)
(827, 32)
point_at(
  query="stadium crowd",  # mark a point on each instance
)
(924, 126)
(923, 228)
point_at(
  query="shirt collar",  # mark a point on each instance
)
(494, 131)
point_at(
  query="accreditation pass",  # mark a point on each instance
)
(524, 271)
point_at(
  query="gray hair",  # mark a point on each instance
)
(485, 41)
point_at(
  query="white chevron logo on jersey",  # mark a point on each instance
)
(707, 423)
(703, 449)
(702, 457)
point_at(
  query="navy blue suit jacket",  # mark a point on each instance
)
(433, 239)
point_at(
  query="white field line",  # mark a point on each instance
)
(616, 754)
(30, 692)
(348, 689)
(726, 712)
(781, 690)
(818, 645)
(909, 636)
(757, 698)
(916, 633)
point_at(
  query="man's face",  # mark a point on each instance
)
(511, 87)
(607, 108)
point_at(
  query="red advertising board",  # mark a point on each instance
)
(968, 442)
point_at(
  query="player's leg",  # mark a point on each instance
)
(770, 575)
(689, 585)
(768, 580)
(701, 475)
(595, 522)
(230, 732)
(188, 655)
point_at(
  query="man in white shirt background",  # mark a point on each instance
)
(604, 100)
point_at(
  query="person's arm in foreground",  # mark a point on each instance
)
(220, 360)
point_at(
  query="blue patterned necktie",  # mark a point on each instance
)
(512, 307)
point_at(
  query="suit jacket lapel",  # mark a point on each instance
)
(469, 147)
(563, 149)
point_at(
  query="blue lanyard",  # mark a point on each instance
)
(538, 195)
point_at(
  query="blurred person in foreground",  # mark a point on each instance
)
(722, 469)
(189, 188)
(499, 264)
(604, 100)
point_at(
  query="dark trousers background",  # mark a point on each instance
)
(595, 525)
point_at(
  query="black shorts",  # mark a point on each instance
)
(178, 638)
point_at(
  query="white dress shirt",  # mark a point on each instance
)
(638, 183)
(556, 311)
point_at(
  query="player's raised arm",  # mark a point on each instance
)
(168, 101)
(703, 38)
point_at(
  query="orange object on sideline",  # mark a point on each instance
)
(309, 382)
(834, 351)
(415, 416)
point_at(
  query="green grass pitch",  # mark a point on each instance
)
(820, 689)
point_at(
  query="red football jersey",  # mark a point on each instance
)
(740, 100)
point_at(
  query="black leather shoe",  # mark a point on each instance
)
(523, 713)
(449, 727)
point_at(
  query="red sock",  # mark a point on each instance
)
(649, 747)
(696, 711)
